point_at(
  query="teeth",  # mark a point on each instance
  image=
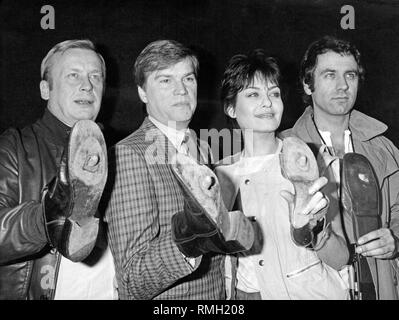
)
(83, 101)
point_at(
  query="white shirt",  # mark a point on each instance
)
(326, 135)
(80, 281)
(175, 136)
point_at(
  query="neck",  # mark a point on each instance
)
(70, 124)
(336, 124)
(259, 143)
(177, 125)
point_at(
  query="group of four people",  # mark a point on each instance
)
(53, 244)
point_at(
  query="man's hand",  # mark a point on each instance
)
(378, 244)
(316, 208)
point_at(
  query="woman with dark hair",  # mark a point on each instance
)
(276, 267)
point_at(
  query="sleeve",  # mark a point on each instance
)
(392, 183)
(147, 263)
(331, 246)
(22, 229)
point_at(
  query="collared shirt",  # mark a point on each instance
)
(176, 137)
(326, 135)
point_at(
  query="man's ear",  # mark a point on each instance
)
(142, 94)
(231, 112)
(44, 90)
(306, 88)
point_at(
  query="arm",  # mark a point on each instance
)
(147, 260)
(322, 228)
(331, 246)
(22, 231)
(384, 242)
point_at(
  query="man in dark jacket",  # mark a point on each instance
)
(52, 174)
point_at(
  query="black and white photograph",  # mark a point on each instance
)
(199, 154)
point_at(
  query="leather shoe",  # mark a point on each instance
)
(71, 199)
(205, 225)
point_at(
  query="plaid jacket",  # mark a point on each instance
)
(144, 196)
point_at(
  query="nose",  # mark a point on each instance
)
(86, 84)
(180, 88)
(342, 84)
(266, 102)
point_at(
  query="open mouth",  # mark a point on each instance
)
(181, 104)
(265, 115)
(84, 102)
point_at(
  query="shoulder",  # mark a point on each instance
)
(286, 133)
(9, 140)
(386, 146)
(228, 161)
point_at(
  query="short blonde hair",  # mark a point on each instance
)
(60, 48)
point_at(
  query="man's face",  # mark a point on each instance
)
(77, 86)
(171, 94)
(336, 79)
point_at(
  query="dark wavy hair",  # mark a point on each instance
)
(240, 73)
(323, 45)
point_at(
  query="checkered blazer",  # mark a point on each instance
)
(144, 196)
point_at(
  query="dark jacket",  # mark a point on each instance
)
(28, 162)
(368, 140)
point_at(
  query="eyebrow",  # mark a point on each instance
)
(167, 75)
(258, 88)
(327, 70)
(333, 70)
(76, 69)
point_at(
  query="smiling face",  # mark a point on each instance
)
(171, 94)
(258, 106)
(336, 79)
(77, 86)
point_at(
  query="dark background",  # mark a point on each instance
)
(216, 29)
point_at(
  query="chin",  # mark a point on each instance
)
(85, 116)
(182, 118)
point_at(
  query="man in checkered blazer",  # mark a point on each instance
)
(145, 193)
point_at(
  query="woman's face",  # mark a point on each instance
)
(259, 106)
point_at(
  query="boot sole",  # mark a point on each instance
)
(87, 177)
(234, 227)
(360, 182)
(299, 165)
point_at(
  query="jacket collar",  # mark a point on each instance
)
(362, 126)
(154, 134)
(53, 129)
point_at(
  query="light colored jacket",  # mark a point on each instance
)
(384, 156)
(282, 270)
